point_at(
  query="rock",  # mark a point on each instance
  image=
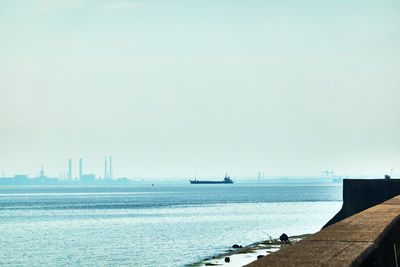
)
(227, 259)
(236, 246)
(284, 238)
(260, 256)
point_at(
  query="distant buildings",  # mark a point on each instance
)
(22, 179)
(87, 179)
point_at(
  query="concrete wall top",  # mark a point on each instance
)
(368, 238)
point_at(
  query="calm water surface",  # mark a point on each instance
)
(152, 226)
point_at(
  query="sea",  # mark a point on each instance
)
(160, 225)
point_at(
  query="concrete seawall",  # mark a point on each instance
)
(361, 194)
(367, 238)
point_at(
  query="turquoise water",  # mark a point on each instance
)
(152, 226)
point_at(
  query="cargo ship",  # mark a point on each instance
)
(227, 180)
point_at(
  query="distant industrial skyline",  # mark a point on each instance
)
(175, 88)
(65, 177)
(69, 174)
(72, 174)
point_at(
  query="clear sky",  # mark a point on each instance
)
(182, 87)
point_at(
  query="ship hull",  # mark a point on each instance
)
(210, 182)
(227, 180)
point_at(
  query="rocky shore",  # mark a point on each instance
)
(239, 255)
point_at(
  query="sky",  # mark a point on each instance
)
(178, 88)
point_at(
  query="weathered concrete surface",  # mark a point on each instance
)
(364, 239)
(361, 194)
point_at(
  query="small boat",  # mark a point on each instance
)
(227, 180)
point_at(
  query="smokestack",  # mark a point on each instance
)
(80, 169)
(105, 167)
(69, 169)
(110, 169)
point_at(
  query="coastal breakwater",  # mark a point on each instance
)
(361, 194)
(367, 238)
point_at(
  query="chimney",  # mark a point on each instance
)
(105, 167)
(110, 177)
(80, 168)
(69, 169)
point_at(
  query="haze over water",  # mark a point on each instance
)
(174, 88)
(152, 226)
